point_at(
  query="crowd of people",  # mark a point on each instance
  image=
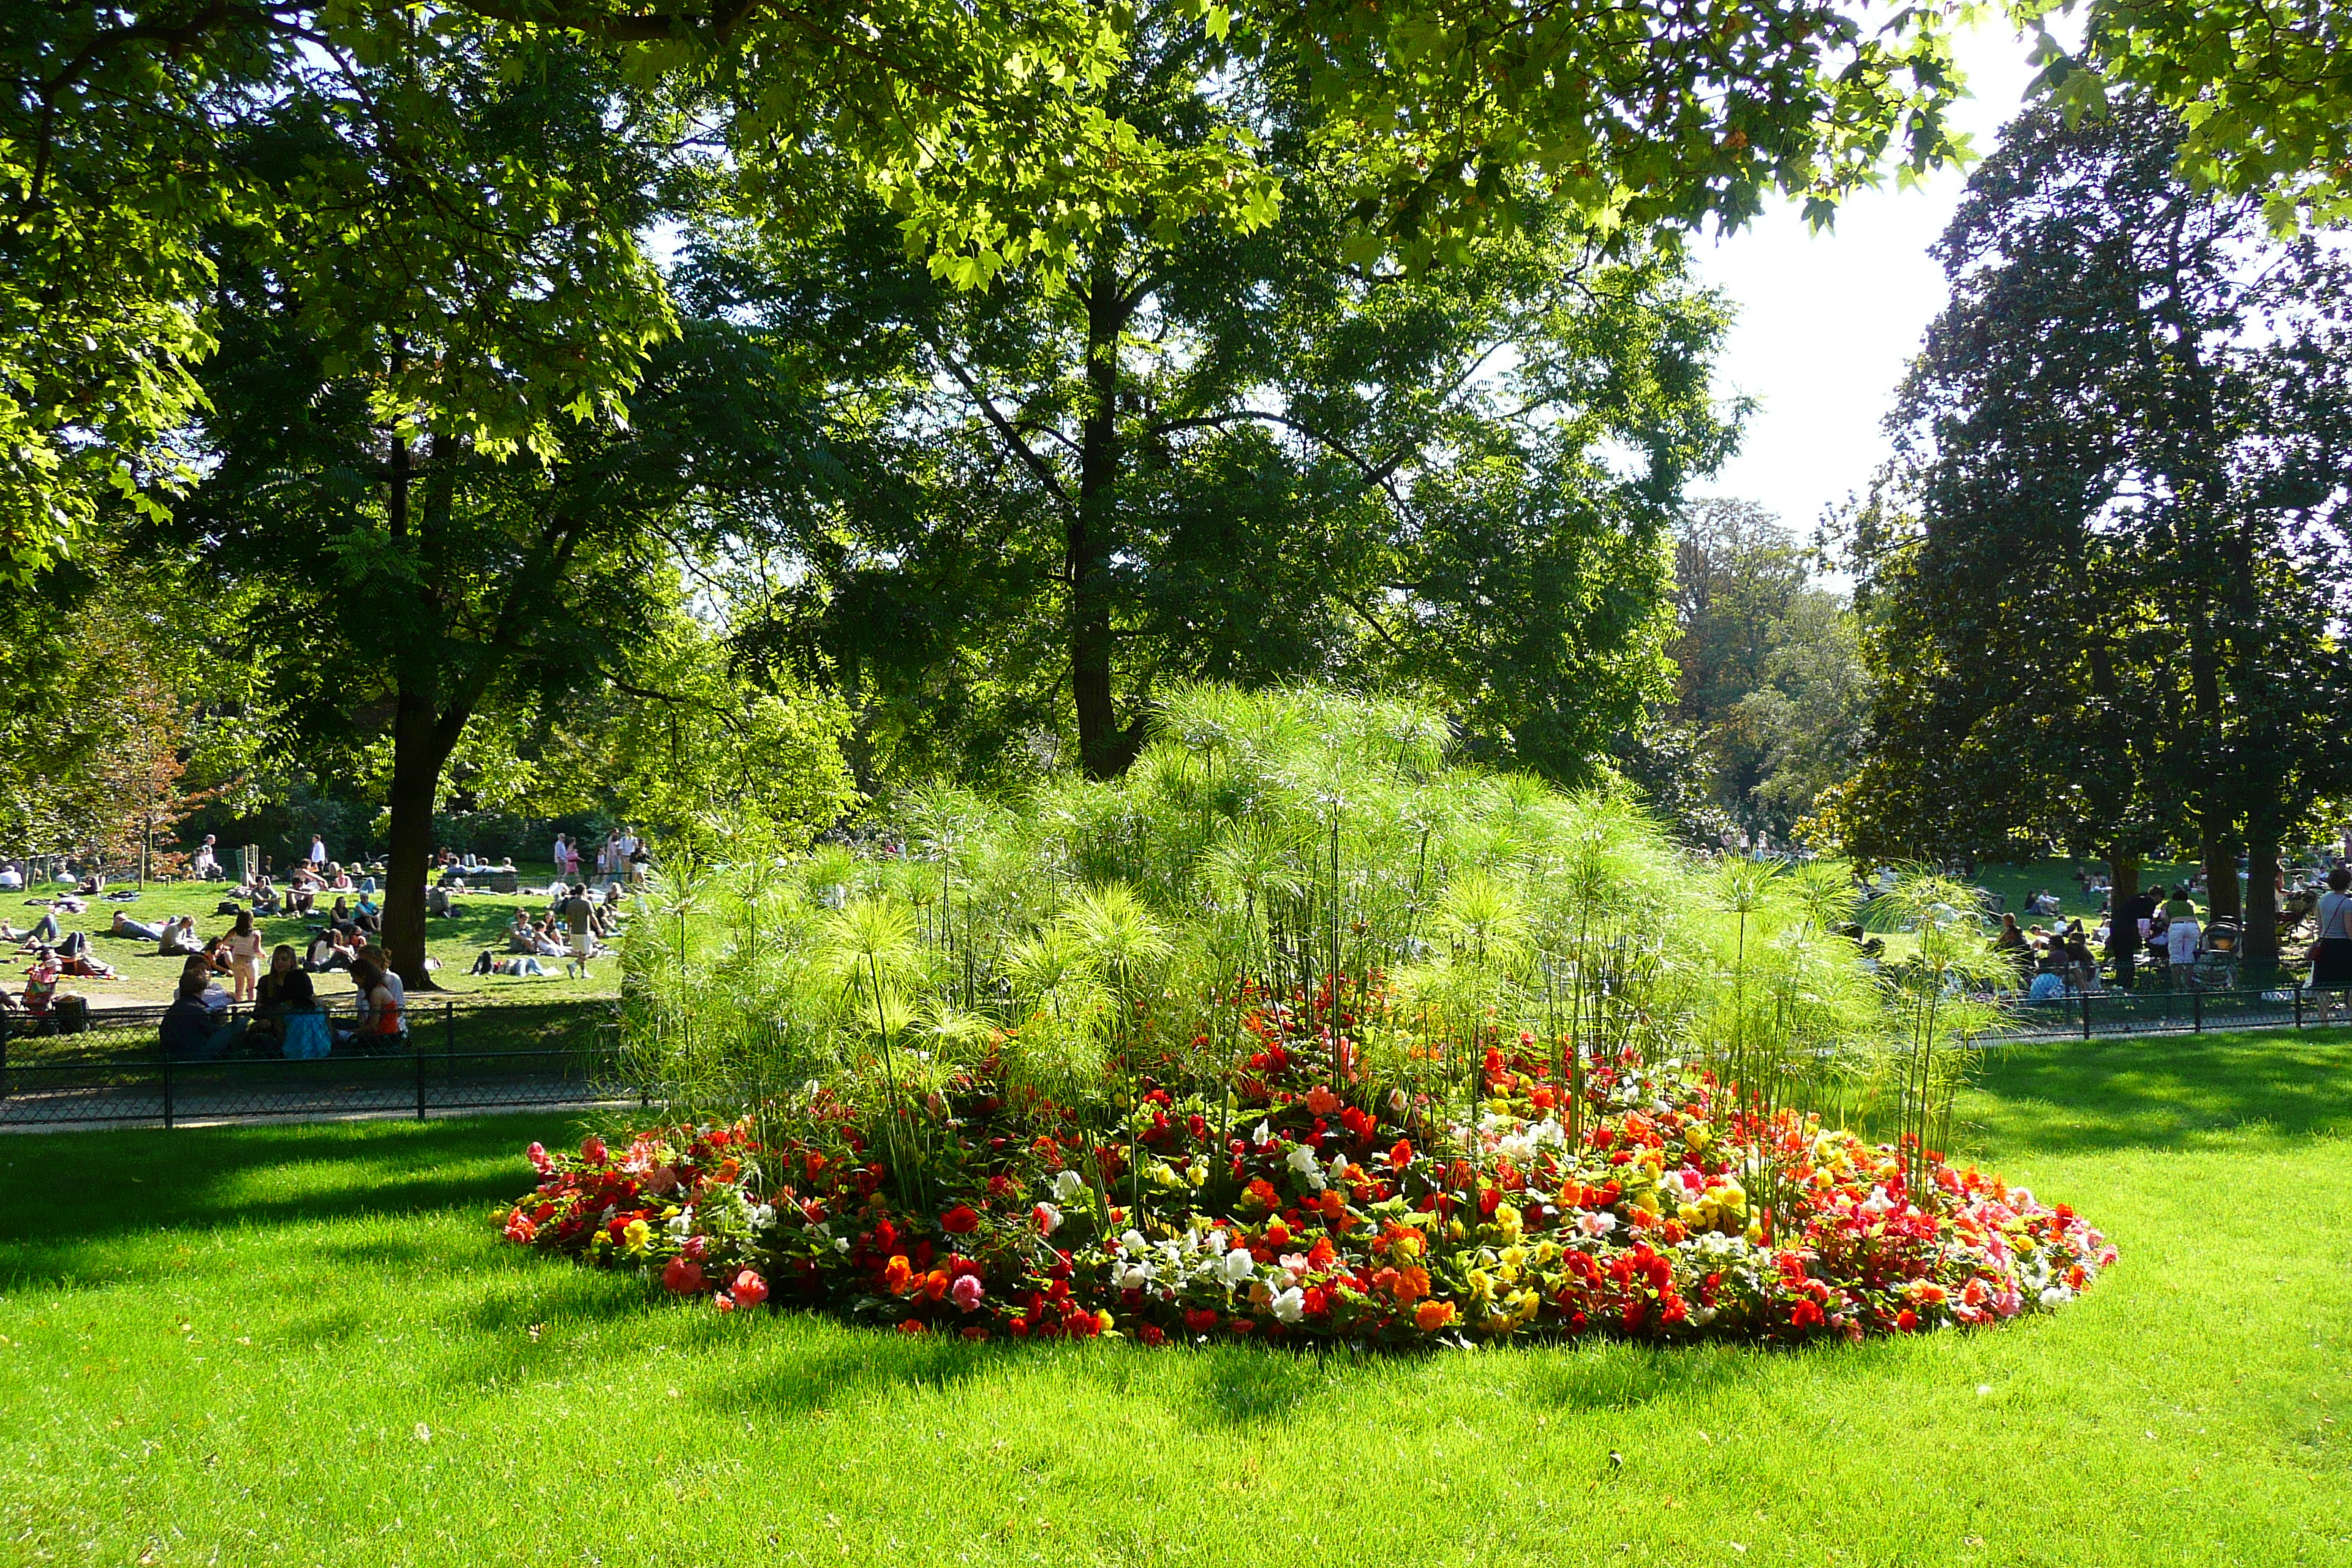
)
(234, 991)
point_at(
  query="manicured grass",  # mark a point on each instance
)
(476, 920)
(306, 1346)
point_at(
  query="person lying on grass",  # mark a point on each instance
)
(490, 962)
(137, 930)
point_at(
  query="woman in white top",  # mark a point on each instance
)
(2331, 956)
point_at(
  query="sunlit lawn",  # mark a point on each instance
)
(476, 920)
(306, 1346)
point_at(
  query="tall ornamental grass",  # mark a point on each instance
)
(1321, 856)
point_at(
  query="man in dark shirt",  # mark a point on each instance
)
(578, 914)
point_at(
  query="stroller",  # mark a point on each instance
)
(2217, 958)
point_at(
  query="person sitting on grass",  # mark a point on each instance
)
(265, 899)
(521, 937)
(340, 880)
(285, 988)
(179, 938)
(340, 916)
(189, 1030)
(326, 952)
(2050, 984)
(366, 914)
(137, 930)
(379, 1014)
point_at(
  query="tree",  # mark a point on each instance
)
(2122, 450)
(1237, 457)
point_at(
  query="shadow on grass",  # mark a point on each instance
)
(97, 1187)
(2156, 1091)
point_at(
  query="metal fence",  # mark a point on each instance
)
(455, 1057)
(2183, 1012)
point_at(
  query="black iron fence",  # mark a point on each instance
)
(2182, 1012)
(455, 1056)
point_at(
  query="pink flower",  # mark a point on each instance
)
(968, 1291)
(592, 1149)
(536, 1155)
(750, 1289)
(683, 1277)
(697, 1247)
(724, 1301)
(518, 1226)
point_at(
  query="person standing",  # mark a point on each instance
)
(244, 956)
(562, 851)
(2180, 937)
(578, 919)
(2331, 955)
(318, 855)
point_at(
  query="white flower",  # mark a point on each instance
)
(1238, 1265)
(1596, 1222)
(1049, 1219)
(763, 1216)
(1264, 1133)
(1302, 1160)
(841, 1243)
(1877, 1203)
(1068, 1184)
(1291, 1305)
(1132, 1241)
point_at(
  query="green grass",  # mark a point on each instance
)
(305, 1345)
(478, 921)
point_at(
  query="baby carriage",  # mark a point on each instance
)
(2217, 958)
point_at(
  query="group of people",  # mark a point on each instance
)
(574, 928)
(623, 857)
(286, 1013)
(2064, 961)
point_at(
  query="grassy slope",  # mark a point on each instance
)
(478, 921)
(304, 1344)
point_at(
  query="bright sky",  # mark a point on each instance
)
(1828, 322)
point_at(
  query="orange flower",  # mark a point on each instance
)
(1332, 1203)
(1319, 1255)
(934, 1284)
(895, 1275)
(1321, 1101)
(1276, 1232)
(1431, 1316)
(1412, 1285)
(1400, 1156)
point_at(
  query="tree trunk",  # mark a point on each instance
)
(2122, 931)
(418, 753)
(1104, 751)
(2262, 949)
(2221, 863)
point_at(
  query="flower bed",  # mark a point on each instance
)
(1287, 1212)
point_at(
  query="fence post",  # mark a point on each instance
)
(418, 1052)
(2086, 1015)
(167, 1087)
(2197, 1008)
(449, 1022)
(2298, 1005)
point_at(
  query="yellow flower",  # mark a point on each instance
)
(1482, 1285)
(1507, 1221)
(636, 1233)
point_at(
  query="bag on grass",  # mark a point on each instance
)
(306, 1036)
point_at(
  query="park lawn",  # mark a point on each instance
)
(478, 921)
(307, 1344)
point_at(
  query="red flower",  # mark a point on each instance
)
(1905, 1321)
(911, 1326)
(682, 1277)
(960, 1221)
(1200, 1320)
(1400, 1156)
(592, 1149)
(1805, 1314)
(1149, 1334)
(749, 1288)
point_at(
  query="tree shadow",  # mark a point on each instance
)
(2161, 1091)
(99, 1187)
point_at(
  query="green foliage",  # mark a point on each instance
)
(1292, 845)
(2104, 583)
(1212, 456)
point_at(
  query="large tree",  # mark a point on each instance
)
(2107, 578)
(1241, 456)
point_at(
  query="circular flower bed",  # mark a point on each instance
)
(1646, 1206)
